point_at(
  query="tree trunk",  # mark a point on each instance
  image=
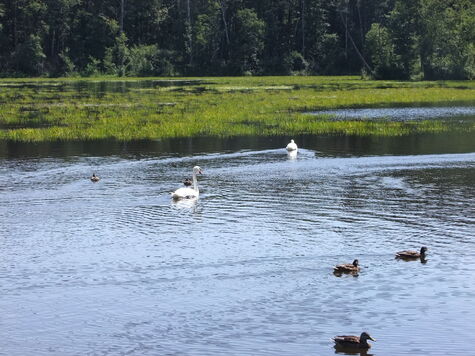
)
(15, 36)
(303, 28)
(355, 46)
(189, 32)
(121, 22)
(361, 23)
(225, 26)
(52, 43)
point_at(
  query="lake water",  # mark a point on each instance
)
(402, 113)
(117, 268)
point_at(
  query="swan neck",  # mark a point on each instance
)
(195, 182)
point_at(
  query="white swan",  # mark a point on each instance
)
(189, 193)
(292, 146)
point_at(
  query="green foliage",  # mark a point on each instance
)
(403, 39)
(66, 67)
(117, 57)
(29, 56)
(296, 64)
(449, 39)
(403, 20)
(248, 41)
(150, 61)
(92, 68)
(207, 39)
(380, 48)
(142, 60)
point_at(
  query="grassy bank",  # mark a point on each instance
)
(128, 109)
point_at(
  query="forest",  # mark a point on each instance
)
(380, 39)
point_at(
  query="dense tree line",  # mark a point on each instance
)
(431, 39)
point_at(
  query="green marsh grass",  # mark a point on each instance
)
(138, 108)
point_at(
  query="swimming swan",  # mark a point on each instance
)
(189, 193)
(292, 146)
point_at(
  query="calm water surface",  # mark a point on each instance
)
(116, 268)
(403, 113)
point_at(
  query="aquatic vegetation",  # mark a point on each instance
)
(131, 108)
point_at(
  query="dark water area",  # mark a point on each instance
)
(117, 268)
(323, 146)
(100, 87)
(127, 85)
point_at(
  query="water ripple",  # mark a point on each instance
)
(118, 268)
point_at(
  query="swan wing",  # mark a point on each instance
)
(291, 147)
(184, 193)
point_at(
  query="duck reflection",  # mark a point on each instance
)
(340, 350)
(347, 273)
(409, 255)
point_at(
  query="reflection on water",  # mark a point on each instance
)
(422, 259)
(292, 155)
(117, 268)
(185, 203)
(345, 351)
(327, 146)
(96, 87)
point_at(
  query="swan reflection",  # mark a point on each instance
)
(292, 155)
(188, 204)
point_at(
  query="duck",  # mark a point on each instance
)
(188, 192)
(349, 267)
(408, 254)
(95, 178)
(359, 342)
(187, 182)
(292, 146)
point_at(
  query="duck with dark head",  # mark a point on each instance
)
(347, 268)
(353, 342)
(95, 178)
(409, 255)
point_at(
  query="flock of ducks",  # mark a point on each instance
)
(407, 255)
(348, 342)
(342, 342)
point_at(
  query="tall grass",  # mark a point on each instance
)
(78, 109)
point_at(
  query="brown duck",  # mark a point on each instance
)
(350, 341)
(349, 267)
(412, 254)
(95, 178)
(187, 182)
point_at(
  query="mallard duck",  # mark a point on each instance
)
(95, 178)
(349, 267)
(412, 254)
(187, 182)
(360, 342)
